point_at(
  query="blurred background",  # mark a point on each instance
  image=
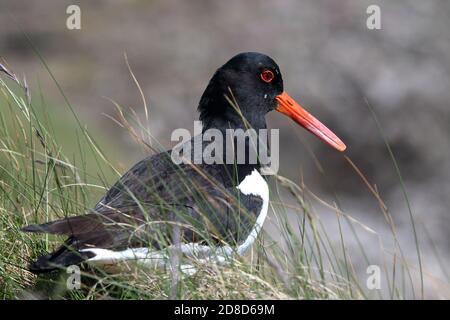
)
(331, 63)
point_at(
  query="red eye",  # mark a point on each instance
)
(267, 76)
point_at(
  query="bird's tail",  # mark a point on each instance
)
(62, 257)
(86, 231)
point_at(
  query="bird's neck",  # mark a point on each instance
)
(221, 113)
(235, 150)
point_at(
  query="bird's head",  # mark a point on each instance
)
(245, 89)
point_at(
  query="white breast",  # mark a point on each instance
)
(256, 185)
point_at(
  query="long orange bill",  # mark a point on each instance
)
(292, 109)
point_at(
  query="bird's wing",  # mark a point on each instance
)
(155, 195)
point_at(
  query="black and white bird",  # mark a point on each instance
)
(200, 208)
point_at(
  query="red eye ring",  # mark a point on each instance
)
(267, 76)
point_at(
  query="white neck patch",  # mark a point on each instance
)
(254, 184)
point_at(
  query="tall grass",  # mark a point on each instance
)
(299, 259)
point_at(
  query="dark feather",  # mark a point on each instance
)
(166, 193)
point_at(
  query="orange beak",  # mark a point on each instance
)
(292, 109)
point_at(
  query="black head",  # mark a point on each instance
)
(247, 87)
(249, 82)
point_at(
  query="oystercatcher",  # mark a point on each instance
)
(198, 208)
